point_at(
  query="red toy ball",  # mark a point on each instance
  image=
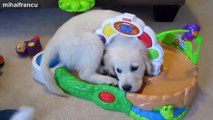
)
(107, 97)
(1, 60)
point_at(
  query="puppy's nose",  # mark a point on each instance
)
(126, 87)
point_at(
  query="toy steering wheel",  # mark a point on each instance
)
(131, 26)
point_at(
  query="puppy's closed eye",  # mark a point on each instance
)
(118, 70)
(134, 67)
(102, 62)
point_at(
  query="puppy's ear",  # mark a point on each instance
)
(107, 58)
(147, 61)
(149, 66)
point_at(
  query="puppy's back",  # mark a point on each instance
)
(89, 21)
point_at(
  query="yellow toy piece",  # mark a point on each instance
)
(108, 30)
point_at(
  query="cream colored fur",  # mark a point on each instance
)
(78, 48)
(123, 53)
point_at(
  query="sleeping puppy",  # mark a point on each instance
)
(79, 48)
(126, 59)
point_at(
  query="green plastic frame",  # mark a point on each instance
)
(72, 85)
(76, 87)
(168, 37)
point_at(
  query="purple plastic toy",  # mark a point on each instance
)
(193, 32)
(29, 47)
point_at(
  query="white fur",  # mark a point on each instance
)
(23, 113)
(124, 52)
(78, 48)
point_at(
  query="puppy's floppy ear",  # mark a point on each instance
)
(149, 66)
(147, 61)
(107, 58)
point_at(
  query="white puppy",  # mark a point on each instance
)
(79, 48)
(127, 59)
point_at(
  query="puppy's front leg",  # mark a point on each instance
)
(97, 78)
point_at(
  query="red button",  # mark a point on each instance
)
(107, 97)
(146, 39)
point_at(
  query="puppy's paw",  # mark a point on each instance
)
(110, 81)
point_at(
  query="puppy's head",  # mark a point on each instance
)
(129, 65)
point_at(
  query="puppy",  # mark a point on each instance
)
(126, 58)
(78, 48)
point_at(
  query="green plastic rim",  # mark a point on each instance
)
(75, 87)
(168, 37)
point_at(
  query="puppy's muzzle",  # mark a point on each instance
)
(126, 87)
